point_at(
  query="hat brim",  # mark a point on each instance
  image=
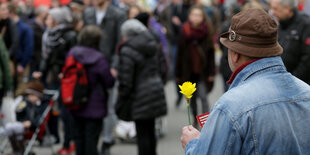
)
(251, 50)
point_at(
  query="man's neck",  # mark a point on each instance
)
(291, 14)
(39, 21)
(103, 7)
(15, 19)
(289, 20)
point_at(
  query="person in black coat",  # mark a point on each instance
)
(8, 30)
(38, 26)
(294, 37)
(140, 83)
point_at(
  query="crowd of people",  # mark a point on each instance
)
(130, 50)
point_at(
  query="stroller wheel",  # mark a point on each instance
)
(32, 153)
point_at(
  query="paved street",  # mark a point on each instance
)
(176, 119)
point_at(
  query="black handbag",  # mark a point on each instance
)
(123, 109)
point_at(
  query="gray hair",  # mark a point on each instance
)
(132, 27)
(40, 10)
(291, 3)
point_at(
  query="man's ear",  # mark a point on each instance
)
(235, 57)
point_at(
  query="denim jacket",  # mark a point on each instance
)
(265, 111)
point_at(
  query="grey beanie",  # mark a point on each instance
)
(132, 27)
(61, 15)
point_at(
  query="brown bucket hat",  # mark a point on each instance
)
(253, 33)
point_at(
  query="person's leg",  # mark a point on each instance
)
(22, 81)
(146, 139)
(53, 126)
(152, 135)
(1, 96)
(203, 95)
(67, 122)
(179, 96)
(93, 129)
(109, 122)
(79, 134)
(193, 106)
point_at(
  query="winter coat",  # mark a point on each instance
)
(110, 27)
(26, 46)
(294, 37)
(9, 33)
(224, 66)
(6, 80)
(204, 47)
(56, 47)
(140, 83)
(38, 33)
(99, 80)
(165, 18)
(159, 30)
(27, 111)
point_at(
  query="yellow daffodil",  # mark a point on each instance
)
(188, 89)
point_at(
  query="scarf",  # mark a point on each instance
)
(195, 34)
(52, 38)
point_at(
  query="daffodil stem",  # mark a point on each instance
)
(188, 112)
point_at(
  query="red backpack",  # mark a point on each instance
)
(74, 84)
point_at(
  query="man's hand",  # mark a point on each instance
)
(176, 20)
(114, 72)
(20, 70)
(211, 78)
(189, 133)
(27, 124)
(37, 75)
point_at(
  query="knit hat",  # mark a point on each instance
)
(61, 15)
(253, 33)
(35, 88)
(132, 27)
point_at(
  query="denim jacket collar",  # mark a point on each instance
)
(265, 64)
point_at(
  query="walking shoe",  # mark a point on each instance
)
(64, 151)
(72, 147)
(105, 149)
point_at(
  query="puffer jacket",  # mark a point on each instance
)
(140, 82)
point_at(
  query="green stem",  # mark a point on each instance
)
(188, 112)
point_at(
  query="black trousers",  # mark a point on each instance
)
(86, 134)
(1, 96)
(146, 137)
(67, 119)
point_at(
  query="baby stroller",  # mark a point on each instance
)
(41, 129)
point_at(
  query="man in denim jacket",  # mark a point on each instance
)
(266, 110)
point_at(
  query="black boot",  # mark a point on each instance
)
(105, 149)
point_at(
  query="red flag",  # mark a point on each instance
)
(307, 42)
(202, 119)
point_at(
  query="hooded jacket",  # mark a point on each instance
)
(99, 80)
(140, 82)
